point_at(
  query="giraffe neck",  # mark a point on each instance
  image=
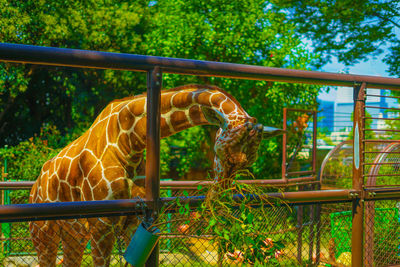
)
(181, 108)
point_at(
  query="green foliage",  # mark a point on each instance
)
(65, 97)
(349, 30)
(249, 32)
(236, 214)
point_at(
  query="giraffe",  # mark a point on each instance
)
(101, 164)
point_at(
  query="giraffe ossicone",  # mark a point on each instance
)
(101, 164)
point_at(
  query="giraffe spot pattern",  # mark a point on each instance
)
(99, 163)
(179, 120)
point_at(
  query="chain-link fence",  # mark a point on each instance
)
(312, 234)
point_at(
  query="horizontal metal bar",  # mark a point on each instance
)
(381, 163)
(380, 186)
(106, 60)
(21, 185)
(27, 185)
(382, 130)
(317, 196)
(78, 209)
(375, 118)
(380, 141)
(381, 175)
(300, 173)
(75, 209)
(387, 96)
(377, 107)
(382, 193)
(381, 152)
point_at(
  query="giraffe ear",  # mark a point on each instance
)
(214, 116)
(271, 132)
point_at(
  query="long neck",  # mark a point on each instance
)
(181, 108)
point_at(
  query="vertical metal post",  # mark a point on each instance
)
(358, 180)
(314, 155)
(312, 229)
(152, 183)
(284, 140)
(318, 237)
(300, 214)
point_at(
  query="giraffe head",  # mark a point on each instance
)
(237, 142)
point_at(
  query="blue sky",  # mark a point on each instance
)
(374, 66)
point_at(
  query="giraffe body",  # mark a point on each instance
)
(101, 164)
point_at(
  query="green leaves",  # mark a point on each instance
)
(237, 225)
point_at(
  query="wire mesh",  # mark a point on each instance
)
(317, 234)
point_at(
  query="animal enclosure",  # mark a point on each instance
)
(347, 214)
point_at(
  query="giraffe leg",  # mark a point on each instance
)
(74, 240)
(45, 237)
(102, 239)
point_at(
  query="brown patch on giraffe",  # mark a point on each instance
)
(166, 103)
(124, 143)
(100, 191)
(136, 143)
(65, 192)
(120, 189)
(96, 175)
(63, 168)
(182, 99)
(112, 129)
(196, 115)
(137, 107)
(86, 191)
(87, 161)
(114, 172)
(53, 187)
(135, 159)
(138, 191)
(113, 155)
(75, 174)
(228, 107)
(165, 131)
(43, 186)
(203, 98)
(179, 120)
(216, 99)
(125, 119)
(46, 166)
(140, 128)
(99, 145)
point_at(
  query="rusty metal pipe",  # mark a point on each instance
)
(152, 182)
(78, 209)
(106, 60)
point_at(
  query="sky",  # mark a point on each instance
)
(373, 66)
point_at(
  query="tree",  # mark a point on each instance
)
(248, 32)
(350, 30)
(31, 95)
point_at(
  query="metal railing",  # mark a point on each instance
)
(155, 66)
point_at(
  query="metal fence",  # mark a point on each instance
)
(357, 226)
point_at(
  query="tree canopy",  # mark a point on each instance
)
(350, 30)
(64, 101)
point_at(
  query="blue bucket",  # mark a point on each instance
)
(141, 246)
